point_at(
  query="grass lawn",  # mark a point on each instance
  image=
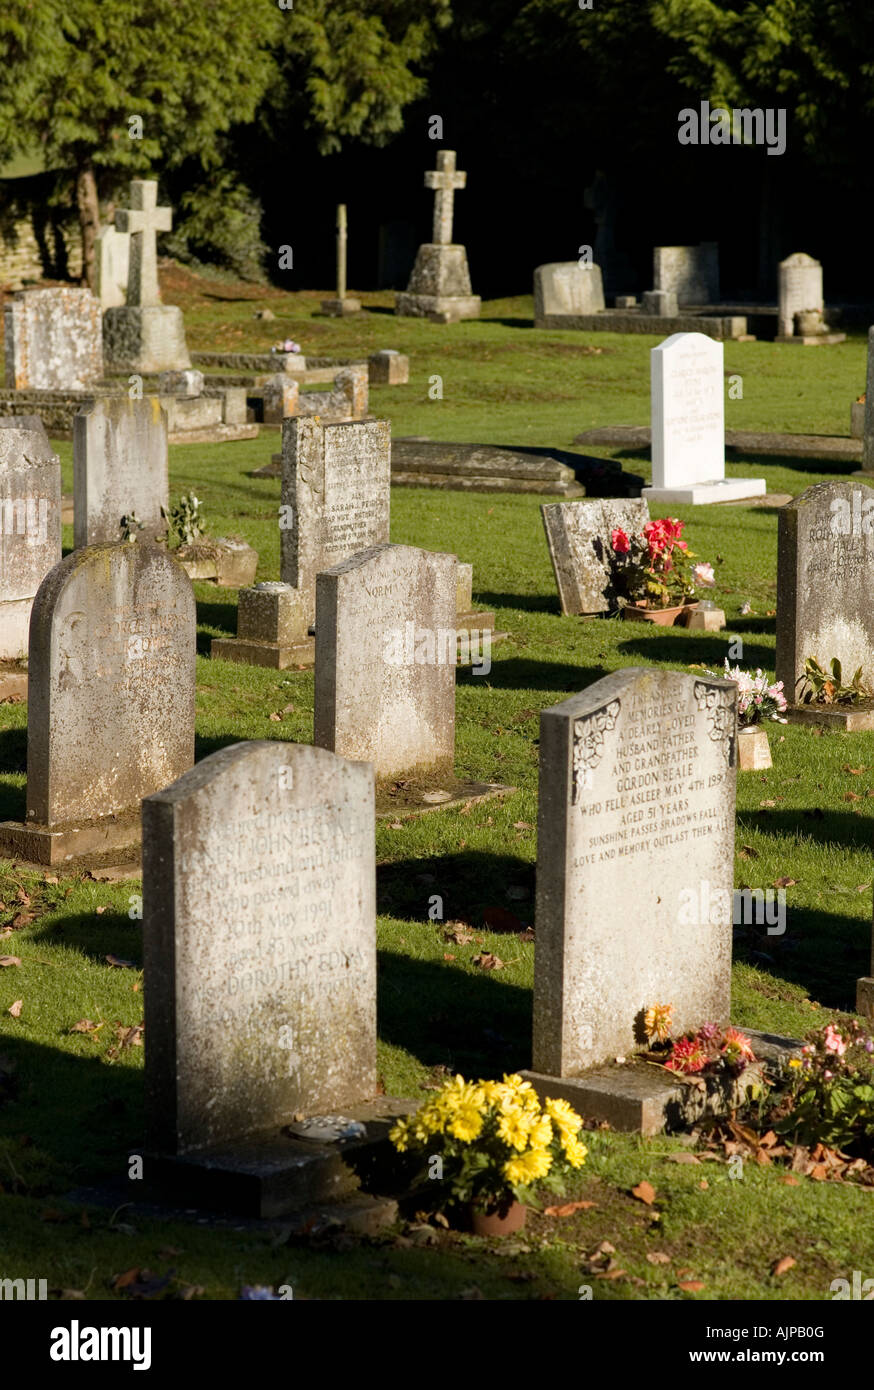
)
(70, 1102)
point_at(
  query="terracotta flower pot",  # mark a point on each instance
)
(753, 749)
(502, 1220)
(663, 617)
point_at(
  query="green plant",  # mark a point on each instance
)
(130, 524)
(185, 522)
(832, 1098)
(820, 688)
(654, 568)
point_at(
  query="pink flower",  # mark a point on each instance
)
(620, 542)
(703, 574)
(834, 1043)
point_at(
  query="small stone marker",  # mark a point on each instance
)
(112, 266)
(385, 660)
(688, 425)
(578, 535)
(388, 367)
(635, 865)
(565, 290)
(336, 486)
(689, 272)
(799, 288)
(259, 926)
(119, 469)
(111, 702)
(825, 592)
(145, 335)
(343, 304)
(439, 286)
(53, 340)
(30, 528)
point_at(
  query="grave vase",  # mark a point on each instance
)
(502, 1220)
(753, 749)
(663, 617)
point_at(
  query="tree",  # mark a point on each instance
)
(111, 88)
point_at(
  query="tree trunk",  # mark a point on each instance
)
(89, 219)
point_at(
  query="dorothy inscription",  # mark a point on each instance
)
(637, 806)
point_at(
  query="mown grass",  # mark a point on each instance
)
(70, 1103)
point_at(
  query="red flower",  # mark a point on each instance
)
(620, 542)
(687, 1055)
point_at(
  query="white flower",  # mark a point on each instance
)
(703, 574)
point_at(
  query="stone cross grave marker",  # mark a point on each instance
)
(825, 583)
(444, 180)
(119, 469)
(635, 863)
(143, 220)
(259, 925)
(30, 528)
(111, 701)
(578, 535)
(688, 424)
(385, 659)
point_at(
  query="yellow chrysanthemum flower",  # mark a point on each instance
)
(514, 1127)
(466, 1124)
(565, 1118)
(541, 1132)
(574, 1152)
(528, 1167)
(399, 1135)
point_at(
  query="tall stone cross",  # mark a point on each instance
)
(444, 180)
(144, 219)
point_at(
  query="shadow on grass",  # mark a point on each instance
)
(476, 1025)
(803, 463)
(825, 827)
(222, 616)
(112, 933)
(13, 758)
(527, 603)
(823, 952)
(517, 673)
(79, 1113)
(708, 648)
(466, 882)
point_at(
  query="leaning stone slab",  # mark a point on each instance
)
(578, 535)
(119, 469)
(111, 707)
(566, 288)
(53, 340)
(30, 529)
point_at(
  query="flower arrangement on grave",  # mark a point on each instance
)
(185, 521)
(758, 698)
(653, 569)
(495, 1141)
(286, 345)
(819, 687)
(831, 1096)
(709, 1050)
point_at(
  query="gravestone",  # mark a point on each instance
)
(799, 287)
(144, 335)
(439, 287)
(111, 267)
(564, 290)
(119, 470)
(688, 425)
(385, 660)
(689, 272)
(578, 535)
(336, 484)
(111, 702)
(868, 420)
(53, 340)
(635, 864)
(825, 590)
(30, 528)
(259, 928)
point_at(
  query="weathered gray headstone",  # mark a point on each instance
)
(578, 535)
(144, 335)
(385, 659)
(30, 528)
(825, 582)
(53, 340)
(799, 287)
(439, 286)
(259, 924)
(566, 289)
(687, 390)
(691, 272)
(119, 469)
(635, 865)
(336, 486)
(111, 700)
(112, 264)
(868, 424)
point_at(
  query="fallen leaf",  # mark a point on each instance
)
(703, 1184)
(790, 1180)
(458, 932)
(856, 771)
(85, 1025)
(767, 803)
(852, 796)
(121, 964)
(447, 955)
(487, 961)
(683, 1158)
(396, 825)
(568, 1208)
(747, 852)
(784, 882)
(123, 1281)
(100, 911)
(522, 825)
(657, 1257)
(10, 960)
(644, 1192)
(275, 718)
(498, 919)
(15, 1009)
(692, 1286)
(783, 1265)
(818, 1172)
(611, 1274)
(23, 919)
(22, 897)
